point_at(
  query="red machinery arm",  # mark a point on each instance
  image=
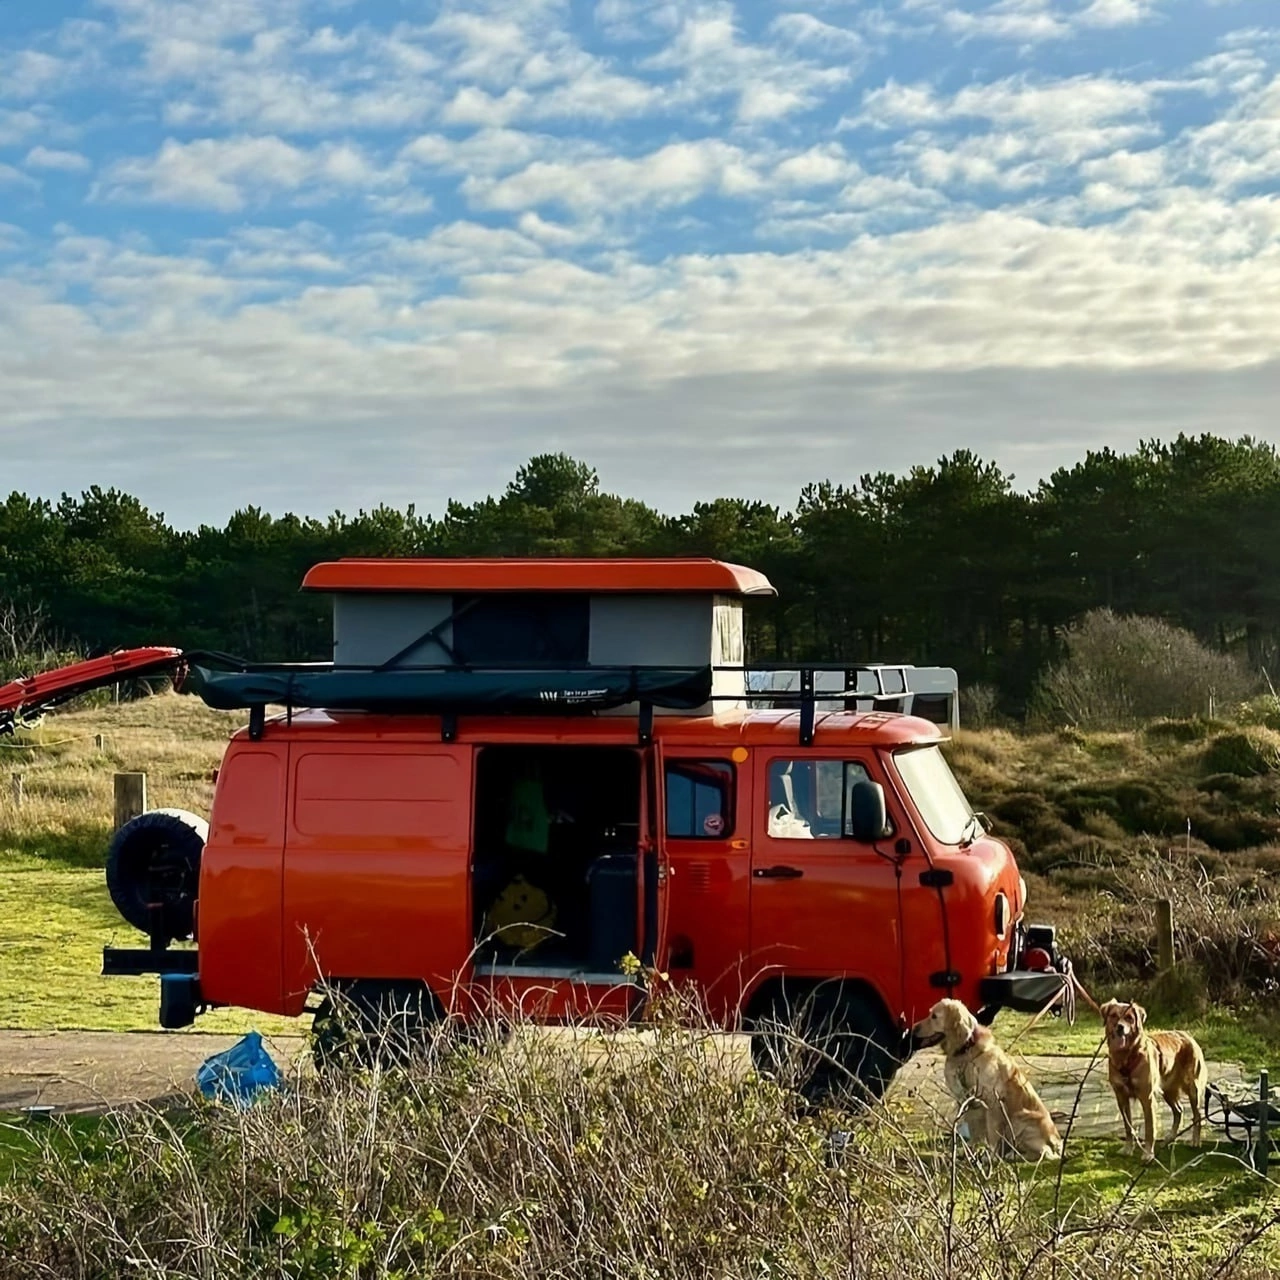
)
(49, 688)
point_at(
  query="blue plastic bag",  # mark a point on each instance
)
(238, 1074)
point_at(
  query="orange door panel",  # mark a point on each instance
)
(707, 812)
(822, 905)
(238, 918)
(377, 865)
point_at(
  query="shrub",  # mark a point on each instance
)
(548, 1158)
(1120, 671)
(1247, 753)
(980, 706)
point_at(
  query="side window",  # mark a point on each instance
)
(809, 799)
(699, 799)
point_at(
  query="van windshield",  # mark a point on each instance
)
(936, 793)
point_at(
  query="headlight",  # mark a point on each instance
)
(1002, 915)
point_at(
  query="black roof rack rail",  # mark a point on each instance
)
(449, 690)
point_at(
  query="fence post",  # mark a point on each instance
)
(131, 797)
(99, 741)
(17, 789)
(1164, 934)
(1262, 1152)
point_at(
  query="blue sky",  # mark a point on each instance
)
(313, 254)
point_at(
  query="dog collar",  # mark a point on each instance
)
(969, 1043)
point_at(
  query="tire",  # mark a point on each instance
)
(367, 1022)
(831, 1043)
(155, 860)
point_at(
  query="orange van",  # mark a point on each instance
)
(515, 773)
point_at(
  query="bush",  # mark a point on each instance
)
(980, 706)
(1120, 671)
(548, 1158)
(1246, 753)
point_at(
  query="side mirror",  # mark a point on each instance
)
(867, 816)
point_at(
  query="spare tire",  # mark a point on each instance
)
(155, 860)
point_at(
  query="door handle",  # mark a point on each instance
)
(777, 873)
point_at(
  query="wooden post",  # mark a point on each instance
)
(1164, 934)
(99, 741)
(131, 797)
(1262, 1152)
(17, 790)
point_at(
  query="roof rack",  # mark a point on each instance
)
(229, 683)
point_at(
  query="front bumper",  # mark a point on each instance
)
(1024, 990)
(1037, 974)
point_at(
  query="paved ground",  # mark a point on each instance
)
(90, 1070)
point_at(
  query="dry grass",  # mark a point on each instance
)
(1103, 824)
(518, 1161)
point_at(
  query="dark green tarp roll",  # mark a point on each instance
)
(439, 692)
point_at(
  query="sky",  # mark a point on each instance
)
(315, 254)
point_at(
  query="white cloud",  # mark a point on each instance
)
(63, 161)
(17, 126)
(228, 174)
(29, 73)
(1032, 22)
(672, 175)
(11, 177)
(1071, 103)
(711, 62)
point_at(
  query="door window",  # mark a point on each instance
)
(699, 799)
(809, 799)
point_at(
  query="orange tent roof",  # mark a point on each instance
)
(713, 577)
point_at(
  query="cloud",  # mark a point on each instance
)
(711, 61)
(62, 161)
(17, 126)
(228, 174)
(672, 175)
(459, 232)
(1032, 22)
(11, 177)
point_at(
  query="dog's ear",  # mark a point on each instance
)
(1109, 1010)
(956, 1016)
(1139, 1015)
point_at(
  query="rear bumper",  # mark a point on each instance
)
(181, 999)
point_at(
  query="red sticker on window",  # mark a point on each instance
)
(713, 824)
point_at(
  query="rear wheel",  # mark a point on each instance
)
(831, 1042)
(366, 1022)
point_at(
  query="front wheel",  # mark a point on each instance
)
(830, 1042)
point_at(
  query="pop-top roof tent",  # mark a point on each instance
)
(604, 635)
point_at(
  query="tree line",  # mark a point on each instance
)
(946, 564)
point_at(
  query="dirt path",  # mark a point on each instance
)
(90, 1070)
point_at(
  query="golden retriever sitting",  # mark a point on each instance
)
(1140, 1061)
(1006, 1108)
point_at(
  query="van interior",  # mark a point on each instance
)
(556, 866)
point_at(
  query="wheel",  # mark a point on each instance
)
(830, 1042)
(154, 860)
(367, 1022)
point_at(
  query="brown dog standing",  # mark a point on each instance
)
(1140, 1062)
